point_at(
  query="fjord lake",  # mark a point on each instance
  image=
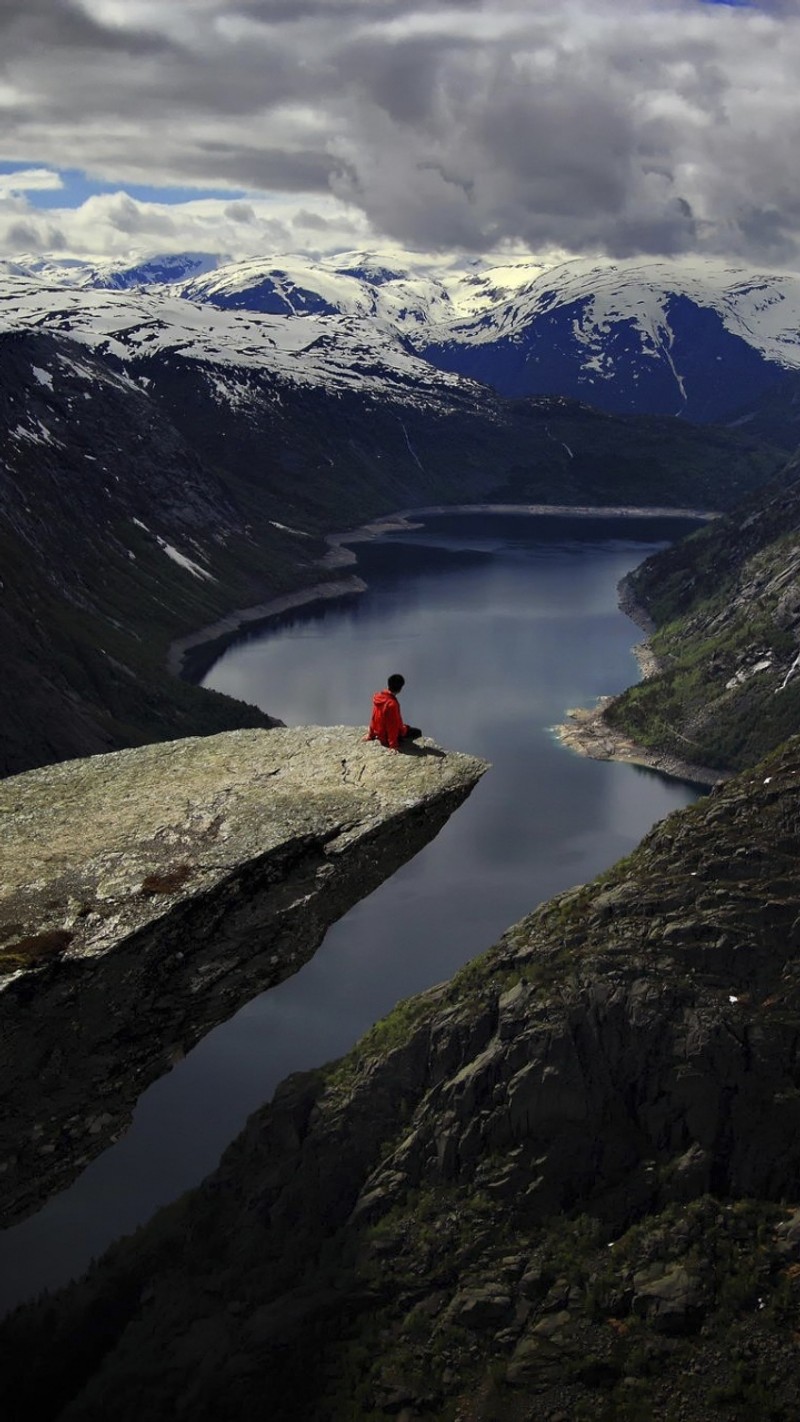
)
(499, 623)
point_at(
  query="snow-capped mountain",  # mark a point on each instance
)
(354, 284)
(156, 271)
(327, 349)
(634, 336)
(114, 275)
(662, 337)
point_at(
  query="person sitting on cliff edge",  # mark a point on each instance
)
(387, 724)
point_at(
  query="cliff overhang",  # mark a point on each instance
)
(149, 893)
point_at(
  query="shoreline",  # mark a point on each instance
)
(587, 733)
(191, 656)
(204, 647)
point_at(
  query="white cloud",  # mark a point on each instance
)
(119, 226)
(28, 180)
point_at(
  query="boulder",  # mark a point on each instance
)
(669, 1297)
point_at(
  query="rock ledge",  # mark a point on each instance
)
(149, 893)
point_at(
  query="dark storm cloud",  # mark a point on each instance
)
(664, 126)
(58, 26)
(313, 222)
(400, 77)
(239, 212)
(298, 11)
(266, 169)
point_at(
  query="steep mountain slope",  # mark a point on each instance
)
(148, 895)
(114, 533)
(555, 1185)
(323, 349)
(698, 342)
(726, 603)
(774, 416)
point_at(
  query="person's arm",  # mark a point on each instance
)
(393, 722)
(372, 730)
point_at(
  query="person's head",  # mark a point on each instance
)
(396, 683)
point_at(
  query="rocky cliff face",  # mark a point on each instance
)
(726, 606)
(100, 500)
(562, 1185)
(148, 894)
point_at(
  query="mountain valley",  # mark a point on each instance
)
(566, 1184)
(192, 458)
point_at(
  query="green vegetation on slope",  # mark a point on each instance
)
(726, 603)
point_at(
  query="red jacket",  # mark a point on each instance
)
(387, 724)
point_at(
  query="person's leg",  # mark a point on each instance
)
(413, 733)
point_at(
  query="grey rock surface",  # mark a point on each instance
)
(147, 894)
(527, 1186)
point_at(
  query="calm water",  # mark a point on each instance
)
(498, 623)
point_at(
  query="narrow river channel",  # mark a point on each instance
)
(499, 623)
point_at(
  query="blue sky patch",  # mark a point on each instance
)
(76, 187)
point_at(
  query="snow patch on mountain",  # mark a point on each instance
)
(482, 286)
(762, 309)
(36, 433)
(184, 562)
(337, 352)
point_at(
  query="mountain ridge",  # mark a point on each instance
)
(696, 339)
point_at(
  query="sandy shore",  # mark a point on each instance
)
(587, 733)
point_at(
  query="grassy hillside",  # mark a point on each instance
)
(726, 604)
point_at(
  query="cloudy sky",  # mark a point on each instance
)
(617, 127)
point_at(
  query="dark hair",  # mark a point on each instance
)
(396, 682)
